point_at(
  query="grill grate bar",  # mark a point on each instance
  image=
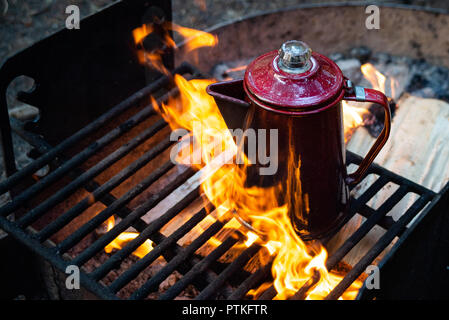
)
(196, 269)
(236, 265)
(386, 222)
(368, 194)
(117, 258)
(158, 238)
(186, 252)
(380, 245)
(48, 254)
(268, 294)
(74, 162)
(99, 192)
(99, 245)
(200, 267)
(354, 239)
(102, 194)
(373, 218)
(90, 128)
(366, 227)
(355, 204)
(391, 176)
(302, 293)
(96, 221)
(65, 192)
(251, 281)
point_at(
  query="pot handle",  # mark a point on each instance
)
(361, 94)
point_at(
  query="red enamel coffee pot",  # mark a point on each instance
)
(300, 94)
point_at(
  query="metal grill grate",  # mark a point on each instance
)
(202, 272)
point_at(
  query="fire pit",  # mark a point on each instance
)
(141, 226)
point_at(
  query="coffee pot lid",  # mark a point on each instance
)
(294, 77)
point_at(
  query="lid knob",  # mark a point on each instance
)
(294, 57)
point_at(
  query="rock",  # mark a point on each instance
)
(381, 58)
(170, 281)
(362, 54)
(425, 93)
(219, 71)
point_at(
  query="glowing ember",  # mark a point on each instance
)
(252, 237)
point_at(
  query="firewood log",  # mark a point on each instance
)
(417, 149)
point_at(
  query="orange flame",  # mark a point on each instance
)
(124, 238)
(295, 262)
(373, 75)
(353, 112)
(193, 39)
(379, 81)
(352, 117)
(140, 33)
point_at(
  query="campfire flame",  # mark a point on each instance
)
(374, 76)
(352, 117)
(193, 40)
(294, 263)
(354, 113)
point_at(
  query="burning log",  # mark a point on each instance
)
(417, 149)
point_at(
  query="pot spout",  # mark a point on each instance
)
(230, 99)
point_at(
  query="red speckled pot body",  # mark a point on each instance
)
(306, 110)
(311, 167)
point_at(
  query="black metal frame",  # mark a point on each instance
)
(417, 266)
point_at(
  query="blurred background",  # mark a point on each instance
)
(23, 22)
